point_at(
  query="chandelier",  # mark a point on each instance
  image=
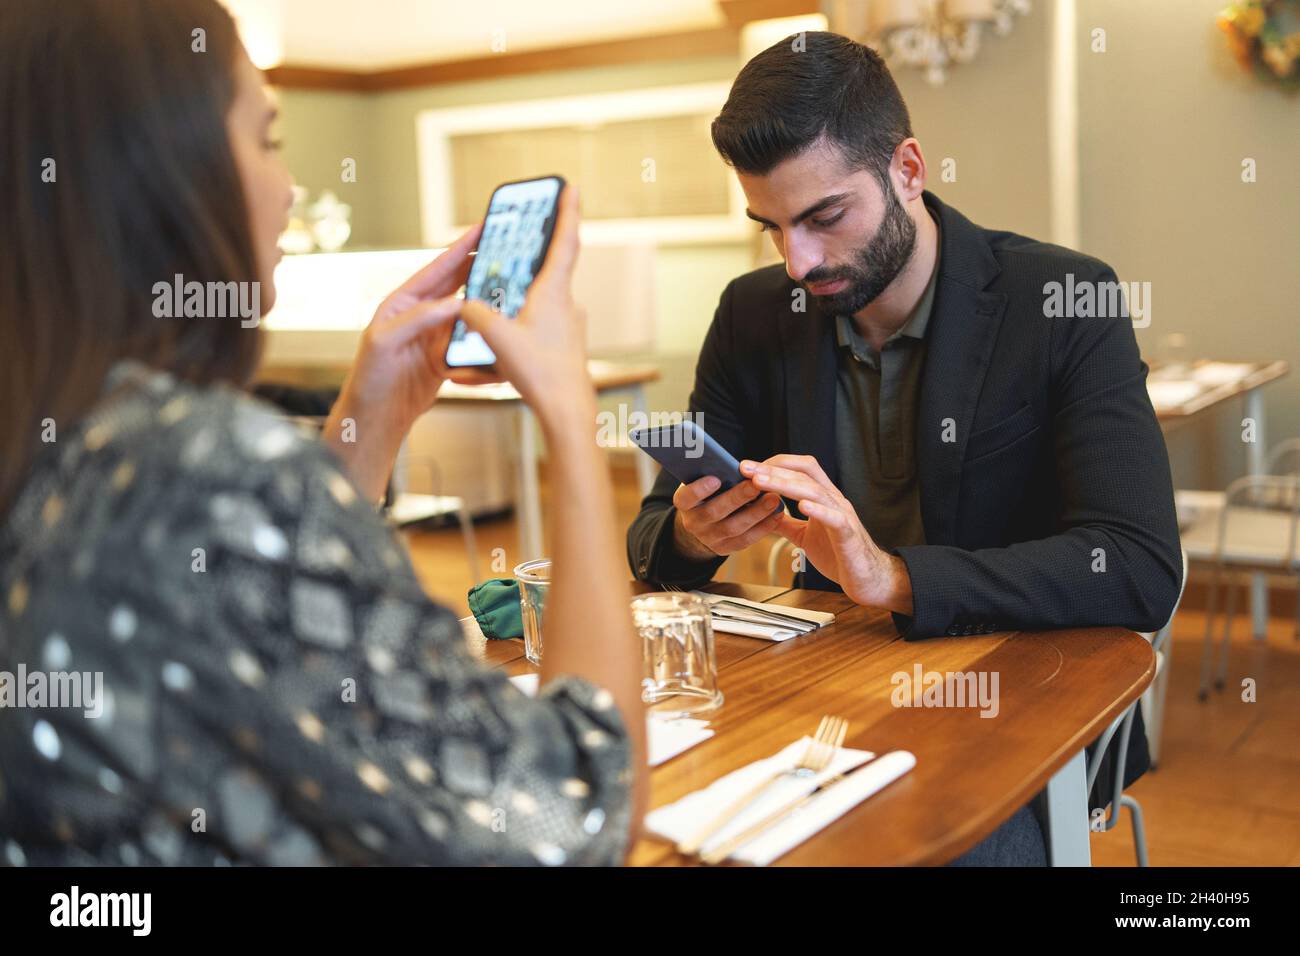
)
(929, 35)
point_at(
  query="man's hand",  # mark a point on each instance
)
(832, 538)
(723, 525)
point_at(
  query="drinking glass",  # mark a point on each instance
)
(534, 579)
(680, 676)
(1173, 359)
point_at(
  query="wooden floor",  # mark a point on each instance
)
(1227, 790)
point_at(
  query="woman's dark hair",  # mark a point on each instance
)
(116, 173)
(809, 86)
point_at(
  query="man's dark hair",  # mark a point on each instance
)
(803, 88)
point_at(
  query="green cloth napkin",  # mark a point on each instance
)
(495, 605)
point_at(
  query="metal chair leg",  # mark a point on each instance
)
(1122, 725)
(1231, 611)
(471, 547)
(1296, 632)
(1155, 720)
(1207, 651)
(1163, 643)
(1139, 829)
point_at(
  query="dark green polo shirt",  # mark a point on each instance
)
(876, 401)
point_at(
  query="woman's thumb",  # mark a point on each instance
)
(486, 321)
(480, 317)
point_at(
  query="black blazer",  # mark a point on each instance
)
(1058, 462)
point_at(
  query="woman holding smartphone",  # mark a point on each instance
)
(276, 687)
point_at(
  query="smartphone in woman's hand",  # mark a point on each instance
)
(516, 234)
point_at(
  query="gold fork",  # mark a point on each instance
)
(817, 755)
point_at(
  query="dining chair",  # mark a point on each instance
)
(406, 510)
(774, 561)
(1153, 716)
(774, 558)
(1252, 529)
(1153, 698)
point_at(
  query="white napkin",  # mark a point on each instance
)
(754, 625)
(681, 820)
(665, 739)
(765, 632)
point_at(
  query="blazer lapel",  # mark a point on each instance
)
(963, 328)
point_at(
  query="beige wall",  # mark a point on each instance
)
(1166, 118)
(991, 117)
(393, 118)
(320, 127)
(996, 184)
(320, 130)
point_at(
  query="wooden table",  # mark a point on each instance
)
(1254, 376)
(608, 378)
(1248, 387)
(1058, 691)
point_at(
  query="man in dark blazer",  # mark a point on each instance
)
(951, 442)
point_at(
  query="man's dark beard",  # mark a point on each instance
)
(878, 263)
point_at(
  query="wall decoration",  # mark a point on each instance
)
(1264, 36)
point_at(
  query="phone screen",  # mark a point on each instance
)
(516, 233)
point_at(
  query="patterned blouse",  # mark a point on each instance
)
(276, 687)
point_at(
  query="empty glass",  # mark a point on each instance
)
(1173, 359)
(534, 579)
(680, 678)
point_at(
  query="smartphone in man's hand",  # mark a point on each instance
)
(715, 519)
(688, 453)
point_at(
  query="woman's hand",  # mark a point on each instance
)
(543, 350)
(399, 368)
(833, 537)
(588, 625)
